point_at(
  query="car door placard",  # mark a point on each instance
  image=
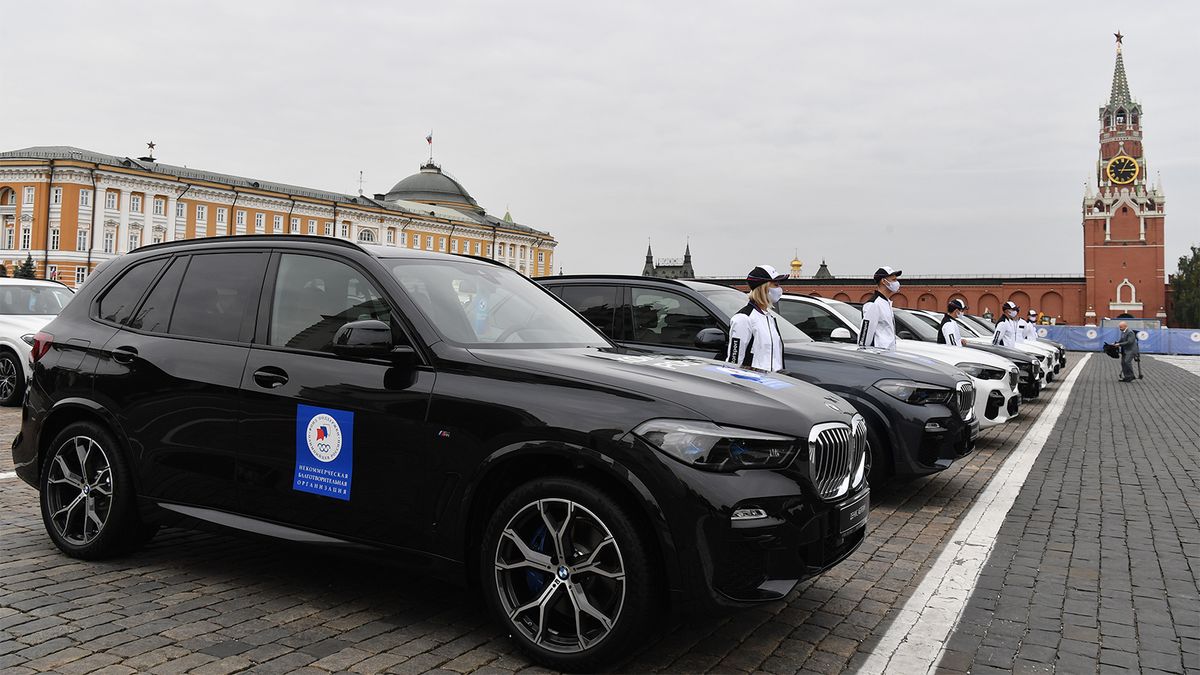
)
(324, 451)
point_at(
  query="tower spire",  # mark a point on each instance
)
(1120, 85)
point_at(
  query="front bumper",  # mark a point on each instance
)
(995, 402)
(721, 563)
(762, 560)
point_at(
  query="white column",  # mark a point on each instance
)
(171, 205)
(97, 223)
(123, 231)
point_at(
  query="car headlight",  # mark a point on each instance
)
(27, 339)
(916, 393)
(981, 371)
(713, 447)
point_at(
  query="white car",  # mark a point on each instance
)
(996, 379)
(26, 306)
(1054, 353)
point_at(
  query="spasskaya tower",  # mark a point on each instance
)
(1123, 257)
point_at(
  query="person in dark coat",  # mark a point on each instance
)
(1129, 351)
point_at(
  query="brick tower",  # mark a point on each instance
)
(1123, 217)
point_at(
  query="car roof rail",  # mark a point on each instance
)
(615, 277)
(296, 238)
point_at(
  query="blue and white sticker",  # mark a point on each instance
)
(752, 376)
(324, 451)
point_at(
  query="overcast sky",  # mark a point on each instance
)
(940, 137)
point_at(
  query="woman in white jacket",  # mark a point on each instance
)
(754, 339)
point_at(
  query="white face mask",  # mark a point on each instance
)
(774, 294)
(1012, 313)
(893, 285)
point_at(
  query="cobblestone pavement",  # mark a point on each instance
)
(1097, 566)
(216, 603)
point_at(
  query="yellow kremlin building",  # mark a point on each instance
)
(71, 209)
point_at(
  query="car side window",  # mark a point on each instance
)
(316, 296)
(597, 304)
(218, 292)
(667, 318)
(117, 304)
(818, 322)
(155, 313)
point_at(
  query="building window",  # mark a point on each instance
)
(278, 224)
(202, 213)
(312, 227)
(9, 238)
(454, 246)
(28, 199)
(52, 272)
(391, 236)
(477, 246)
(260, 220)
(160, 206)
(26, 237)
(241, 218)
(489, 250)
(85, 197)
(416, 241)
(403, 238)
(81, 240)
(110, 200)
(54, 238)
(429, 242)
(328, 229)
(56, 196)
(135, 203)
(181, 210)
(110, 241)
(80, 275)
(221, 215)
(345, 231)
(156, 237)
(295, 226)
(135, 239)
(366, 236)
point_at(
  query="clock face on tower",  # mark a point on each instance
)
(1122, 169)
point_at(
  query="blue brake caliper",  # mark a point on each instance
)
(534, 579)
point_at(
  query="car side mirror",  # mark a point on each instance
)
(905, 335)
(841, 334)
(369, 338)
(710, 338)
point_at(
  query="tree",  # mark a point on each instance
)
(1185, 287)
(3, 270)
(27, 270)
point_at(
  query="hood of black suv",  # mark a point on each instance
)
(716, 391)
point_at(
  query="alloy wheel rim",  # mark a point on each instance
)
(79, 490)
(560, 575)
(8, 378)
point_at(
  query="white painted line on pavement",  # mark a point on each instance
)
(8, 474)
(915, 641)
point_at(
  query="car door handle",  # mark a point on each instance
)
(124, 354)
(270, 377)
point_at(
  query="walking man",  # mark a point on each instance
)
(879, 321)
(1129, 351)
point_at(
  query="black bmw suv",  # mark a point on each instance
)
(919, 413)
(436, 408)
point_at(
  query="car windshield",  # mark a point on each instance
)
(43, 300)
(480, 305)
(912, 322)
(982, 323)
(852, 313)
(971, 327)
(731, 302)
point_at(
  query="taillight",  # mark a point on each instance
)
(41, 345)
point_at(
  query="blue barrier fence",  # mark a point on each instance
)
(1153, 341)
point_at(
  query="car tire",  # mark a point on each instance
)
(883, 464)
(12, 379)
(561, 615)
(87, 496)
